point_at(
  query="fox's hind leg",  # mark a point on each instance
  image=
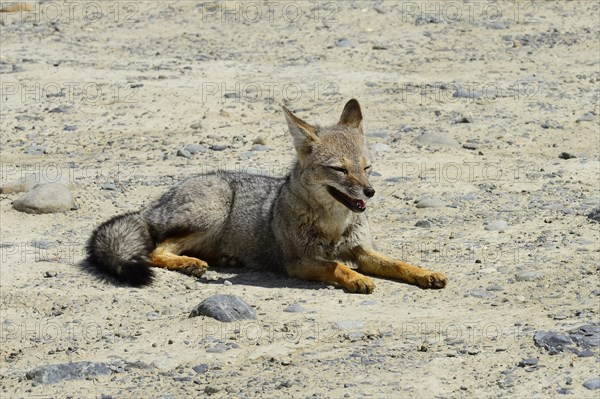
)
(167, 255)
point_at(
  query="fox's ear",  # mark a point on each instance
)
(351, 115)
(302, 133)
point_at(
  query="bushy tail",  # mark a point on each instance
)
(119, 250)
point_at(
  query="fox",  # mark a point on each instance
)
(310, 224)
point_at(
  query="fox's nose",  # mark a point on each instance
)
(369, 191)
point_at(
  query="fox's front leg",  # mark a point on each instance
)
(332, 273)
(374, 263)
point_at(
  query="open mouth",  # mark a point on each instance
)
(355, 205)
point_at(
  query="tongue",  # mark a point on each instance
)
(360, 204)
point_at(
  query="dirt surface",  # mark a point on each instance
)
(468, 103)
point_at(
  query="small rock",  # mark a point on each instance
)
(196, 126)
(45, 198)
(225, 308)
(52, 374)
(355, 336)
(465, 119)
(464, 93)
(380, 147)
(528, 362)
(259, 147)
(527, 276)
(211, 390)
(587, 117)
(592, 383)
(109, 186)
(595, 215)
(201, 368)
(35, 150)
(60, 110)
(429, 202)
(496, 225)
(494, 287)
(344, 43)
(50, 274)
(349, 324)
(435, 140)
(218, 147)
(551, 341)
(423, 223)
(69, 128)
(184, 153)
(471, 146)
(482, 294)
(566, 155)
(260, 140)
(195, 148)
(294, 308)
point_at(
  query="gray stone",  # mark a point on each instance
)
(259, 147)
(55, 373)
(201, 368)
(349, 324)
(429, 202)
(35, 150)
(595, 215)
(592, 383)
(184, 153)
(45, 198)
(528, 276)
(260, 140)
(436, 140)
(566, 155)
(496, 225)
(225, 308)
(423, 223)
(380, 147)
(27, 182)
(109, 186)
(355, 336)
(344, 43)
(552, 341)
(218, 147)
(466, 93)
(196, 126)
(528, 362)
(587, 117)
(294, 308)
(494, 287)
(482, 294)
(195, 148)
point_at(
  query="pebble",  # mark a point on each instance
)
(61, 110)
(55, 373)
(380, 147)
(45, 198)
(201, 368)
(587, 117)
(196, 126)
(528, 276)
(294, 308)
(436, 140)
(592, 383)
(184, 153)
(218, 147)
(259, 147)
(225, 308)
(429, 202)
(195, 148)
(551, 341)
(465, 119)
(494, 287)
(355, 336)
(344, 43)
(566, 155)
(528, 362)
(109, 186)
(423, 223)
(28, 182)
(594, 215)
(496, 225)
(35, 150)
(482, 294)
(260, 140)
(349, 324)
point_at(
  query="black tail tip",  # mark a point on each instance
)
(134, 275)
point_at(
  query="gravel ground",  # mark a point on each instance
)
(483, 123)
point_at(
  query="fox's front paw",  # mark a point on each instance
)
(194, 267)
(434, 280)
(360, 285)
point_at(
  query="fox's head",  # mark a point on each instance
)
(333, 160)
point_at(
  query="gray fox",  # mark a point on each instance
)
(305, 224)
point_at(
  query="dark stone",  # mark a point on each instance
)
(52, 374)
(594, 215)
(201, 368)
(566, 155)
(225, 308)
(423, 223)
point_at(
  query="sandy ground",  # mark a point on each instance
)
(134, 82)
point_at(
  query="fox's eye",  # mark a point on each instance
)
(338, 169)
